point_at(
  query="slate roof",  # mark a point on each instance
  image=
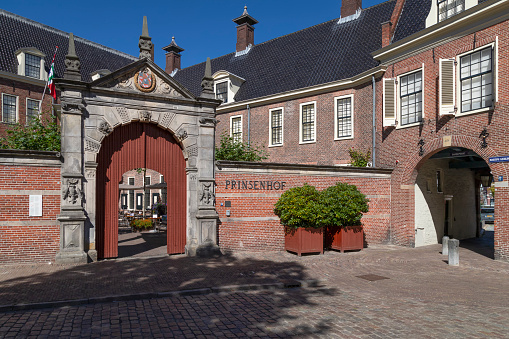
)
(413, 18)
(19, 32)
(316, 55)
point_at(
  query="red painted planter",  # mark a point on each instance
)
(304, 240)
(345, 238)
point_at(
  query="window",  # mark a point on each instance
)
(147, 193)
(130, 181)
(222, 91)
(236, 128)
(449, 8)
(476, 77)
(276, 127)
(344, 120)
(411, 98)
(123, 201)
(32, 109)
(307, 122)
(9, 109)
(439, 181)
(32, 66)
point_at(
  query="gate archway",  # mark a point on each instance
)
(139, 145)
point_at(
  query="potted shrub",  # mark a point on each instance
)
(297, 210)
(341, 209)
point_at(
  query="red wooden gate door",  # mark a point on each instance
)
(139, 145)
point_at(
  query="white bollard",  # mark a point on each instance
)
(454, 252)
(445, 245)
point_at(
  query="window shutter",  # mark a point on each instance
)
(389, 108)
(446, 84)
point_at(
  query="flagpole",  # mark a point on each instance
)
(45, 86)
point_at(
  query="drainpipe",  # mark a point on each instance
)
(248, 125)
(373, 152)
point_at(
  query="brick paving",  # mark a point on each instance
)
(421, 297)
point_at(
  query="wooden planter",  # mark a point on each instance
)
(304, 240)
(345, 238)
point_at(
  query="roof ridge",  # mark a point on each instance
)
(65, 34)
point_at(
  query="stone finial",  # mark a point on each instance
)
(145, 42)
(207, 83)
(72, 62)
(245, 11)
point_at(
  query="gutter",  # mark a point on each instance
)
(373, 149)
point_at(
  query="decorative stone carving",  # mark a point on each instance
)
(124, 115)
(72, 236)
(145, 46)
(72, 108)
(90, 174)
(192, 151)
(104, 127)
(208, 121)
(92, 146)
(124, 82)
(207, 196)
(144, 80)
(181, 134)
(207, 231)
(72, 64)
(167, 119)
(163, 87)
(145, 116)
(72, 193)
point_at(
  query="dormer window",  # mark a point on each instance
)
(449, 8)
(226, 86)
(99, 74)
(31, 63)
(222, 91)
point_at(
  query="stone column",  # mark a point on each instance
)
(90, 208)
(72, 216)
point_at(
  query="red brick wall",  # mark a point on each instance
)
(22, 91)
(25, 239)
(398, 148)
(253, 226)
(326, 150)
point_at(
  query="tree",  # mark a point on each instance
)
(232, 150)
(37, 135)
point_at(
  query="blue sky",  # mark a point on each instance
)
(204, 28)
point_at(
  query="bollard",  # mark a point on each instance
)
(454, 252)
(445, 245)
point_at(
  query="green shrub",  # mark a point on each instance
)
(342, 205)
(238, 151)
(141, 224)
(359, 158)
(297, 207)
(37, 135)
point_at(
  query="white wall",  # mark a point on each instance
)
(430, 205)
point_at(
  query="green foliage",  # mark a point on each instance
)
(342, 205)
(141, 224)
(238, 150)
(36, 135)
(297, 207)
(359, 158)
(339, 205)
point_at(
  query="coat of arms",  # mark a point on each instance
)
(145, 81)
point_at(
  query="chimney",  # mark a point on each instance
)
(172, 56)
(386, 33)
(245, 30)
(349, 7)
(389, 27)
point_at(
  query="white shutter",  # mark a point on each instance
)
(389, 104)
(446, 86)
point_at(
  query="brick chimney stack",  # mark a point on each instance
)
(349, 7)
(172, 56)
(245, 30)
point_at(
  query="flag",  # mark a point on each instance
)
(51, 83)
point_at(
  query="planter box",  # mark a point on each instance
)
(345, 238)
(304, 240)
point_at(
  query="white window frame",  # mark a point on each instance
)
(241, 126)
(398, 98)
(129, 206)
(21, 56)
(336, 99)
(17, 108)
(432, 17)
(282, 109)
(494, 70)
(301, 141)
(26, 108)
(218, 82)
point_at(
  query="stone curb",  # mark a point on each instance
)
(286, 284)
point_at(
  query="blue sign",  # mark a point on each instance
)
(500, 159)
(500, 178)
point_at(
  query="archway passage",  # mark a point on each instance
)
(139, 145)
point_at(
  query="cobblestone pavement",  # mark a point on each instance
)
(421, 296)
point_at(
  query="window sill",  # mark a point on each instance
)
(343, 138)
(278, 145)
(307, 142)
(480, 110)
(409, 125)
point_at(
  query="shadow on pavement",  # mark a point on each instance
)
(484, 245)
(122, 277)
(131, 244)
